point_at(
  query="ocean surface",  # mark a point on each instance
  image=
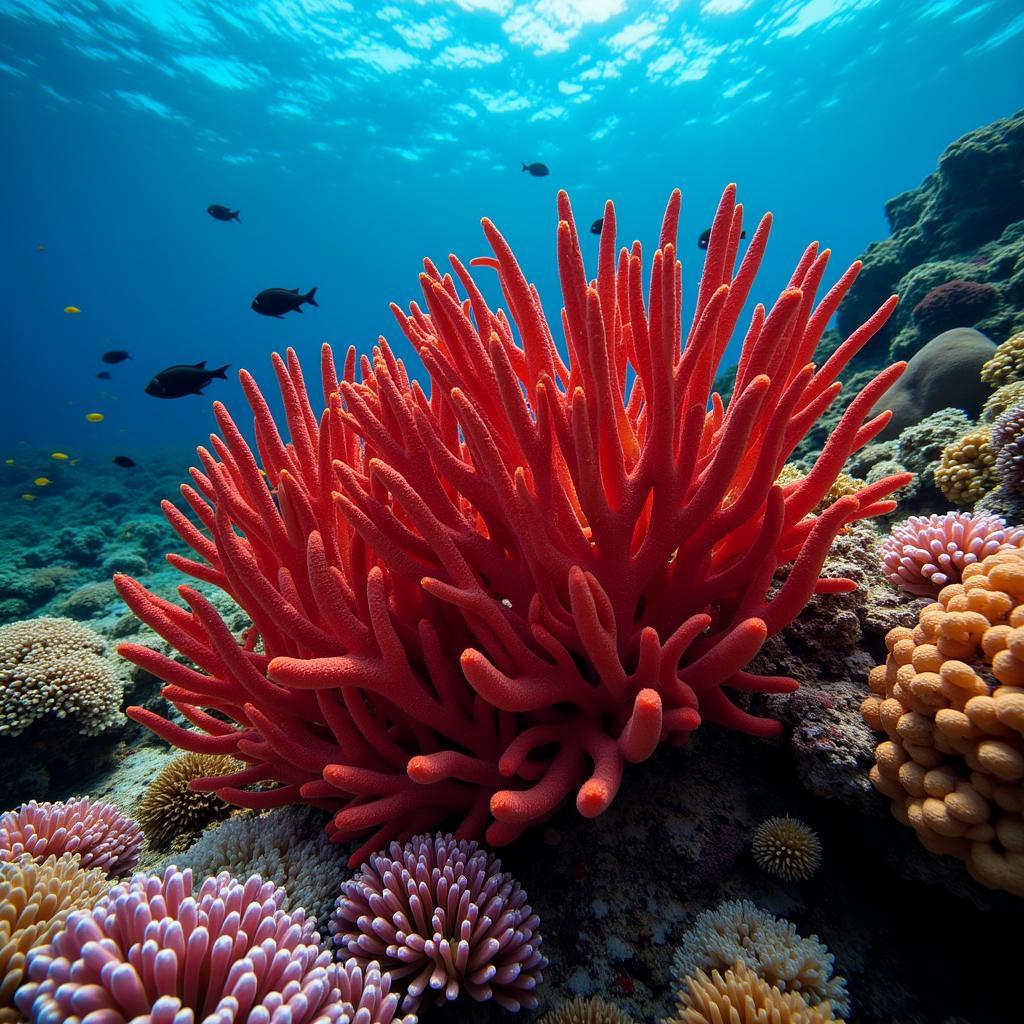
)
(358, 138)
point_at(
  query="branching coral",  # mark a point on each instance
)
(441, 917)
(470, 606)
(101, 835)
(786, 848)
(950, 698)
(923, 554)
(967, 468)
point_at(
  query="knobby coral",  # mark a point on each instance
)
(469, 606)
(154, 949)
(923, 554)
(787, 848)
(101, 835)
(440, 915)
(966, 469)
(1007, 362)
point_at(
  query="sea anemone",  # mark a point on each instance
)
(153, 949)
(439, 913)
(594, 1010)
(366, 995)
(923, 554)
(787, 848)
(1007, 439)
(101, 835)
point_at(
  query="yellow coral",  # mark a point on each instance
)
(844, 484)
(1002, 399)
(950, 699)
(34, 901)
(739, 996)
(1007, 362)
(966, 470)
(587, 1011)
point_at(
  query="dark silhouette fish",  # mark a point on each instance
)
(124, 462)
(595, 228)
(537, 170)
(218, 212)
(178, 381)
(103, 375)
(702, 242)
(116, 355)
(278, 301)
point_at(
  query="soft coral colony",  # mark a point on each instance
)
(469, 605)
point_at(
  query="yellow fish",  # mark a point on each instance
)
(41, 481)
(8, 462)
(59, 456)
(72, 309)
(29, 497)
(94, 417)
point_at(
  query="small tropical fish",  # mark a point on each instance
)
(184, 379)
(94, 417)
(278, 301)
(218, 212)
(72, 309)
(104, 375)
(115, 355)
(8, 462)
(705, 237)
(73, 462)
(29, 497)
(41, 481)
(123, 461)
(537, 170)
(59, 456)
(595, 228)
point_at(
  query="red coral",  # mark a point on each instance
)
(955, 304)
(475, 603)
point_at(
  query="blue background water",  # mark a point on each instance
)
(357, 139)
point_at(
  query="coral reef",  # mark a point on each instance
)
(966, 470)
(787, 848)
(286, 846)
(921, 555)
(521, 586)
(944, 373)
(955, 304)
(739, 996)
(224, 951)
(737, 931)
(964, 222)
(1007, 440)
(441, 917)
(172, 812)
(1006, 364)
(950, 700)
(35, 898)
(587, 1011)
(1002, 399)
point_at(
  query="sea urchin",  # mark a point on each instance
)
(786, 848)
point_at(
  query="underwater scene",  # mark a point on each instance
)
(513, 510)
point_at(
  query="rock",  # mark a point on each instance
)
(944, 374)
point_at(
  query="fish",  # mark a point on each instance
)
(104, 375)
(537, 170)
(115, 355)
(72, 309)
(40, 248)
(8, 462)
(29, 497)
(124, 462)
(59, 457)
(184, 379)
(94, 417)
(278, 301)
(41, 481)
(705, 237)
(218, 212)
(595, 228)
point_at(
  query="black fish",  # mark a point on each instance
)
(595, 228)
(103, 375)
(278, 301)
(116, 355)
(218, 212)
(537, 170)
(124, 462)
(702, 242)
(178, 381)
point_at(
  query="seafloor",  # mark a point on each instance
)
(916, 938)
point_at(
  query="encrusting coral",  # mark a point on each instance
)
(441, 917)
(787, 848)
(471, 606)
(950, 698)
(98, 832)
(739, 996)
(56, 668)
(171, 812)
(1007, 362)
(738, 931)
(34, 901)
(594, 1010)
(967, 468)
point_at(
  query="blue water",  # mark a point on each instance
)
(358, 138)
